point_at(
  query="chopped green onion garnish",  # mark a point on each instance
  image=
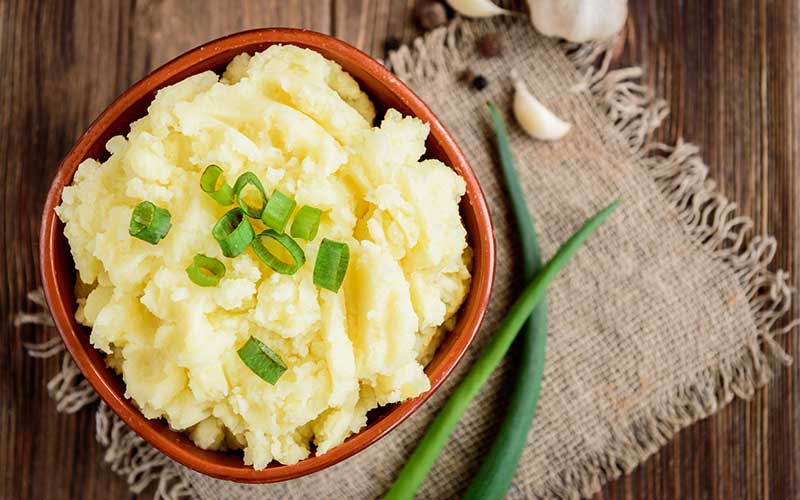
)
(306, 223)
(262, 360)
(331, 264)
(233, 232)
(271, 259)
(205, 270)
(245, 180)
(277, 211)
(213, 183)
(149, 222)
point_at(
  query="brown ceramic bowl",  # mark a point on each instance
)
(58, 270)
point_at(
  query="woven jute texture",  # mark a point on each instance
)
(666, 314)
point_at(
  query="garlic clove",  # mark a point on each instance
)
(538, 121)
(477, 8)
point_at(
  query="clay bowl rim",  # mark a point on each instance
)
(106, 382)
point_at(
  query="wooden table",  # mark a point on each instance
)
(729, 69)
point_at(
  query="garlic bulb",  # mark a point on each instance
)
(477, 8)
(579, 20)
(538, 121)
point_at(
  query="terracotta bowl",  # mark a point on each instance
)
(58, 270)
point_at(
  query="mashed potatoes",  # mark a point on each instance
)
(302, 125)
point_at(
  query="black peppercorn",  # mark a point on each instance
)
(480, 82)
(489, 45)
(430, 14)
(391, 44)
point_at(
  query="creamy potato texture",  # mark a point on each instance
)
(303, 125)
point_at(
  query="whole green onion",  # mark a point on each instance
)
(149, 222)
(213, 184)
(271, 259)
(306, 223)
(233, 232)
(499, 465)
(331, 264)
(277, 211)
(205, 270)
(245, 180)
(262, 360)
(423, 457)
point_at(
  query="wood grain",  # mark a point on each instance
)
(729, 69)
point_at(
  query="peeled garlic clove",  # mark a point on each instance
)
(538, 121)
(477, 8)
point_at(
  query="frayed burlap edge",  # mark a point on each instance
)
(127, 454)
(710, 220)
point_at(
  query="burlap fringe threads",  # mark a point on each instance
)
(706, 215)
(128, 454)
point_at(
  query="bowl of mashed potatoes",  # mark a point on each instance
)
(266, 254)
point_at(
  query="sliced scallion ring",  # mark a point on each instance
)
(239, 190)
(149, 222)
(205, 270)
(233, 232)
(277, 211)
(271, 259)
(306, 223)
(331, 265)
(262, 360)
(213, 184)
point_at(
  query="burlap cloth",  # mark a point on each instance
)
(664, 317)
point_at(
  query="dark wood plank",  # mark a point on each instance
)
(728, 69)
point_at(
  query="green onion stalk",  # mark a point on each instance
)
(499, 465)
(421, 460)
